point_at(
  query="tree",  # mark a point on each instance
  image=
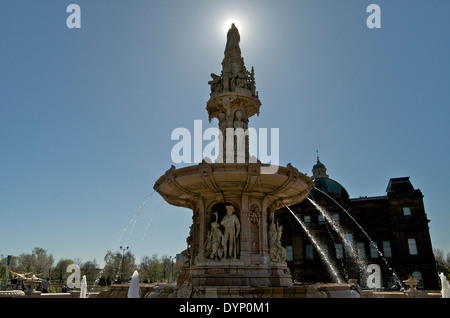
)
(43, 262)
(442, 264)
(118, 267)
(90, 269)
(59, 272)
(150, 268)
(38, 262)
(166, 267)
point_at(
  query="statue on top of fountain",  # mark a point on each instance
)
(233, 39)
(234, 77)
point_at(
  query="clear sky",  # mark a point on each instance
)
(86, 114)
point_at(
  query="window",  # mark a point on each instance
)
(336, 218)
(321, 220)
(307, 220)
(324, 248)
(387, 249)
(418, 276)
(309, 252)
(361, 249)
(348, 240)
(289, 253)
(339, 251)
(373, 250)
(407, 211)
(412, 247)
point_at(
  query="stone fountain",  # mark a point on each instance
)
(234, 237)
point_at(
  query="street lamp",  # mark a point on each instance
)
(123, 256)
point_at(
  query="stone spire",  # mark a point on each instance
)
(234, 76)
(233, 99)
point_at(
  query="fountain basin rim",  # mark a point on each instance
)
(182, 186)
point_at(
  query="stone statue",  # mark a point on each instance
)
(226, 81)
(187, 253)
(230, 239)
(216, 83)
(238, 123)
(213, 244)
(241, 79)
(277, 252)
(233, 38)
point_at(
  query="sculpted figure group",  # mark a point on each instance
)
(220, 245)
(225, 245)
(277, 252)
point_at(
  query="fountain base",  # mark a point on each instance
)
(295, 291)
(235, 273)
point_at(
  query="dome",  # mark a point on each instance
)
(329, 186)
(323, 182)
(319, 165)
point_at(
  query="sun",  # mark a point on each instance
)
(227, 25)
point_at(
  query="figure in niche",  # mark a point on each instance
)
(213, 244)
(230, 241)
(277, 252)
(238, 122)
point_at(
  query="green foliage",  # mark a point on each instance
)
(118, 268)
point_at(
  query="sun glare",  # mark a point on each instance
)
(227, 25)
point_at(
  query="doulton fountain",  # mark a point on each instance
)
(234, 238)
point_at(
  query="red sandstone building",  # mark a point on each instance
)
(389, 230)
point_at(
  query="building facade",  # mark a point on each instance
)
(387, 234)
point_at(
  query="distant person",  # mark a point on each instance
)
(46, 286)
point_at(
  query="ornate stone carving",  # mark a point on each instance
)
(220, 245)
(216, 83)
(213, 245)
(234, 76)
(232, 230)
(187, 253)
(277, 252)
(254, 214)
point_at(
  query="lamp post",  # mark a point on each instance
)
(123, 249)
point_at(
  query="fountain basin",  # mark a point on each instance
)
(219, 181)
(253, 197)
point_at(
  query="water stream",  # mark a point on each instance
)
(349, 246)
(324, 256)
(361, 263)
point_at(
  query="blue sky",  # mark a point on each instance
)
(86, 114)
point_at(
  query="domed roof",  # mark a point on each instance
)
(319, 165)
(329, 186)
(323, 182)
